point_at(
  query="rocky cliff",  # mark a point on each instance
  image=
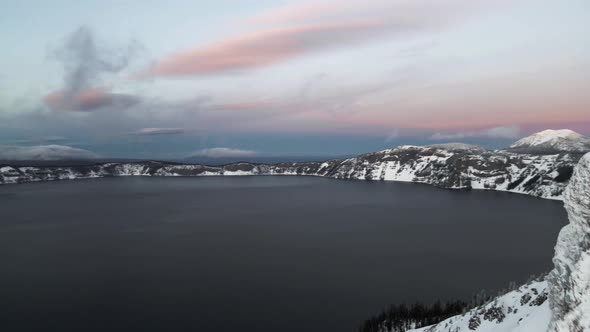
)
(569, 282)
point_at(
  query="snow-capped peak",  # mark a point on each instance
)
(550, 135)
(560, 140)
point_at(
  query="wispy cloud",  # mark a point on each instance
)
(222, 152)
(84, 60)
(509, 132)
(51, 139)
(44, 152)
(392, 136)
(84, 63)
(87, 100)
(294, 31)
(159, 131)
(38, 140)
(260, 49)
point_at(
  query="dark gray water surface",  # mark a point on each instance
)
(254, 253)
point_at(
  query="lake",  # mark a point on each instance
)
(254, 253)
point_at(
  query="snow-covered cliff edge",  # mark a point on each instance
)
(569, 282)
(525, 309)
(566, 288)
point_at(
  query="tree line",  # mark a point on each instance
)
(403, 317)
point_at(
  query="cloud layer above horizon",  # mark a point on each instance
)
(285, 33)
(44, 152)
(262, 75)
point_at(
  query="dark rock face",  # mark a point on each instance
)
(494, 314)
(525, 299)
(474, 323)
(445, 166)
(540, 299)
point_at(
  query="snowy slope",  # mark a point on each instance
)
(523, 310)
(538, 175)
(555, 140)
(570, 280)
(561, 303)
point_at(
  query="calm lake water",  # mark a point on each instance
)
(254, 253)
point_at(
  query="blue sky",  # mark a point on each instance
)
(153, 79)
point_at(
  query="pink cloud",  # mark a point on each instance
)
(261, 49)
(471, 108)
(285, 33)
(85, 100)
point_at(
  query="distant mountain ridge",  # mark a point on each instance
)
(453, 165)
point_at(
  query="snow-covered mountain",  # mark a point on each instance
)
(454, 165)
(538, 175)
(554, 140)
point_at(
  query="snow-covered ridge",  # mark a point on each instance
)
(531, 167)
(447, 166)
(555, 140)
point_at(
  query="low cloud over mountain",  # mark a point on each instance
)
(159, 131)
(224, 153)
(44, 152)
(496, 132)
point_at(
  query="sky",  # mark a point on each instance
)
(174, 79)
